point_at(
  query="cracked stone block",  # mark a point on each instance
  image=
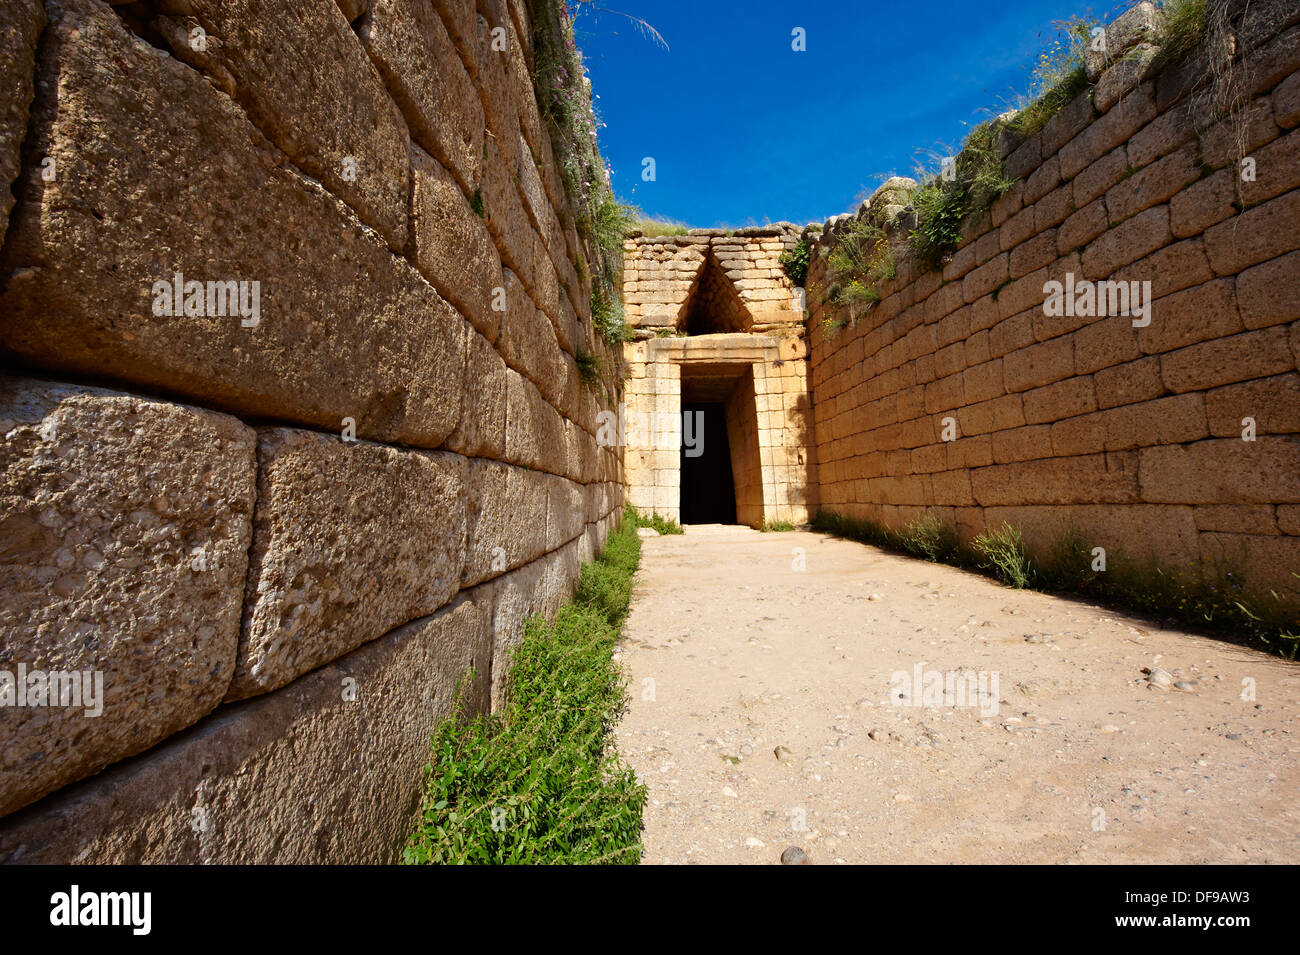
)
(124, 532)
(328, 770)
(18, 35)
(330, 323)
(349, 541)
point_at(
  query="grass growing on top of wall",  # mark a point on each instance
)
(564, 100)
(1217, 598)
(651, 227)
(540, 782)
(943, 203)
(1059, 76)
(1185, 22)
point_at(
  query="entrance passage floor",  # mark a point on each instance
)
(1084, 761)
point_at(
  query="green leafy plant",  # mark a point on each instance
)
(589, 367)
(776, 526)
(607, 314)
(939, 215)
(476, 203)
(541, 782)
(931, 537)
(795, 262)
(1003, 552)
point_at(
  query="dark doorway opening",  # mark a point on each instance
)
(708, 490)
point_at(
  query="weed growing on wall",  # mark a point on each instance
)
(770, 527)
(607, 314)
(564, 99)
(588, 367)
(1059, 76)
(795, 262)
(1185, 23)
(942, 203)
(540, 782)
(859, 262)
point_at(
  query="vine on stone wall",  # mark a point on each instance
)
(565, 100)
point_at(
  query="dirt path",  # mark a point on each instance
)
(1084, 761)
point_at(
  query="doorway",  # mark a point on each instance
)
(708, 488)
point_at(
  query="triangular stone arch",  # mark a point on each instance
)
(713, 305)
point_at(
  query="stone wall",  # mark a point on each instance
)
(710, 281)
(282, 528)
(1134, 433)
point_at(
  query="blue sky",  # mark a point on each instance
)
(744, 130)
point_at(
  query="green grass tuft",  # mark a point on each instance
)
(931, 537)
(664, 525)
(652, 227)
(1002, 551)
(1185, 23)
(540, 782)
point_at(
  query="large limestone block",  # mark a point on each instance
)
(19, 32)
(514, 599)
(410, 45)
(349, 541)
(166, 175)
(327, 770)
(453, 249)
(298, 72)
(528, 342)
(566, 507)
(507, 513)
(461, 21)
(535, 434)
(124, 532)
(481, 431)
(506, 219)
(491, 79)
